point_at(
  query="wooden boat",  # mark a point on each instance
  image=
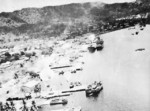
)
(59, 101)
(94, 89)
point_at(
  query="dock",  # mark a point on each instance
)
(65, 92)
(76, 89)
(56, 95)
(61, 67)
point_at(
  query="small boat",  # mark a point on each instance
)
(91, 49)
(94, 89)
(59, 101)
(99, 47)
(99, 44)
(140, 49)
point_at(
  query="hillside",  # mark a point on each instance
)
(45, 20)
(75, 19)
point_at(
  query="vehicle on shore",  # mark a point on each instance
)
(94, 89)
(59, 101)
(74, 84)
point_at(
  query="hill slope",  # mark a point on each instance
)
(56, 20)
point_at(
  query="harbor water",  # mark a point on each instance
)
(125, 75)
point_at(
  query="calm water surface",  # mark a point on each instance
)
(125, 75)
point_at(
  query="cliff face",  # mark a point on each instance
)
(54, 20)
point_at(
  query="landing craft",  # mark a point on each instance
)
(97, 44)
(59, 101)
(94, 89)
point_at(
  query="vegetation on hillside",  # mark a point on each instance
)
(71, 19)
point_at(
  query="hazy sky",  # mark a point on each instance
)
(11, 5)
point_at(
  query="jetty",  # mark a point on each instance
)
(56, 95)
(76, 89)
(66, 92)
(61, 67)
